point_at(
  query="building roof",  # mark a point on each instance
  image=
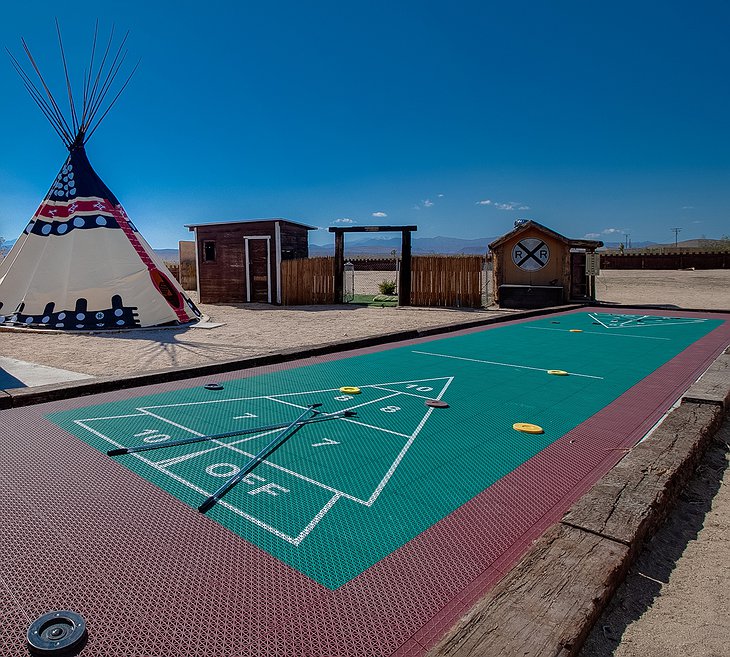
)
(251, 221)
(521, 228)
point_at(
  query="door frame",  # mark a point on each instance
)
(246, 239)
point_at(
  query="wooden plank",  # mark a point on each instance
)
(404, 285)
(339, 266)
(631, 500)
(307, 281)
(547, 604)
(713, 386)
(447, 281)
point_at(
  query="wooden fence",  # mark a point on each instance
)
(676, 260)
(308, 281)
(449, 281)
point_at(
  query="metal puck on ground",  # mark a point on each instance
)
(558, 372)
(526, 427)
(57, 633)
(436, 403)
(213, 386)
(576, 330)
(350, 390)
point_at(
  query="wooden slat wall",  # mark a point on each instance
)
(308, 281)
(450, 281)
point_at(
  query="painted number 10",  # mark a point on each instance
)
(152, 436)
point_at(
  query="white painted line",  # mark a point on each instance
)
(188, 484)
(174, 424)
(164, 465)
(372, 426)
(409, 394)
(212, 401)
(615, 335)
(493, 362)
(321, 514)
(632, 321)
(110, 417)
(406, 447)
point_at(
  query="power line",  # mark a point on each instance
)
(676, 234)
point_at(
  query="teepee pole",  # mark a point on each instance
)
(41, 102)
(74, 118)
(57, 110)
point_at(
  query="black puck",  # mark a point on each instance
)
(57, 633)
(213, 386)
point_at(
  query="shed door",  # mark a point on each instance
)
(258, 269)
(578, 280)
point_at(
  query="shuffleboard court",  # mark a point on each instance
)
(366, 533)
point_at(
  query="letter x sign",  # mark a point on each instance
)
(530, 254)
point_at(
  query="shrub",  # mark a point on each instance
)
(386, 287)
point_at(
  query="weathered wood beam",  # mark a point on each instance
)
(339, 266)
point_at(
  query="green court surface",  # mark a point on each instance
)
(341, 495)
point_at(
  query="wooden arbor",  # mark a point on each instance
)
(404, 279)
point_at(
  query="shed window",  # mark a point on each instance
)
(209, 251)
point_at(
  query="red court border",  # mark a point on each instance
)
(148, 573)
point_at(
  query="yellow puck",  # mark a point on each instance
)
(350, 390)
(525, 427)
(558, 372)
(576, 330)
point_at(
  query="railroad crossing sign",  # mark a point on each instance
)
(531, 254)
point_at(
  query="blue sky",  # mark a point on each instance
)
(596, 119)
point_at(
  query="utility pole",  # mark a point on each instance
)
(676, 234)
(626, 241)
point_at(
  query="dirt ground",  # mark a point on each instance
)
(676, 600)
(255, 329)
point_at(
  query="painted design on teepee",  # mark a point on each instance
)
(81, 263)
(81, 317)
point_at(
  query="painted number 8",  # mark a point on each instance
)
(390, 409)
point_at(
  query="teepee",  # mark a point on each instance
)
(81, 264)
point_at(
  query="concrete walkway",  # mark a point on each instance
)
(21, 374)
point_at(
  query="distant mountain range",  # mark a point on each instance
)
(369, 246)
(419, 246)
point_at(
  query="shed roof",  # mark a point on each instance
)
(251, 221)
(521, 228)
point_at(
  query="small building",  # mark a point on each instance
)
(240, 261)
(535, 267)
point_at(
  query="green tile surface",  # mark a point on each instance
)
(340, 495)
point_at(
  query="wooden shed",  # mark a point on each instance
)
(240, 261)
(535, 267)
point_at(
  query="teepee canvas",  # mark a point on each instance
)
(81, 263)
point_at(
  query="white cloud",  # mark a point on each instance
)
(344, 220)
(379, 214)
(688, 207)
(440, 195)
(427, 203)
(509, 205)
(592, 236)
(612, 231)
